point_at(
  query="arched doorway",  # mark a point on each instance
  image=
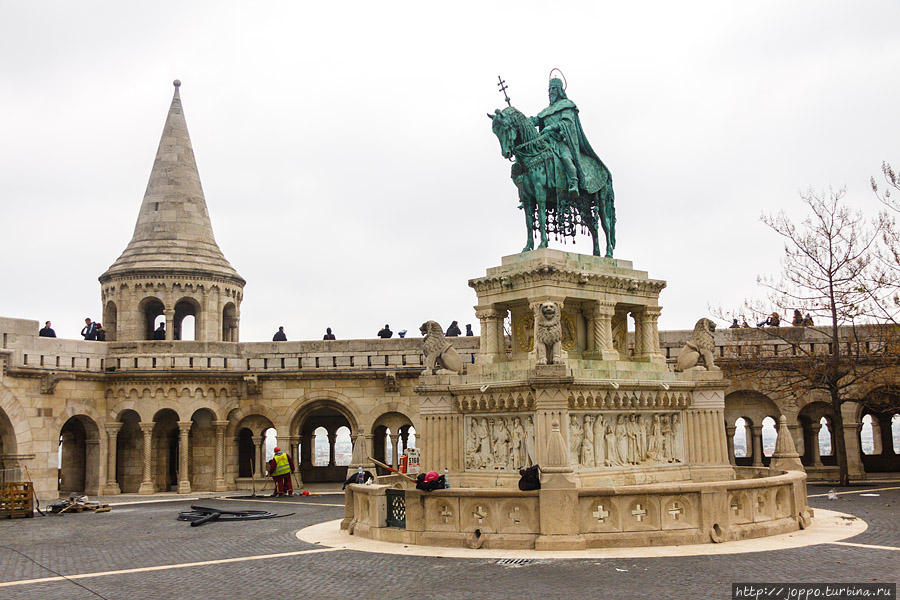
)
(129, 453)
(8, 470)
(202, 444)
(323, 456)
(110, 320)
(392, 437)
(229, 323)
(187, 320)
(250, 451)
(754, 408)
(165, 450)
(152, 312)
(79, 456)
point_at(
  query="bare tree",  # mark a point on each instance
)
(830, 270)
(887, 273)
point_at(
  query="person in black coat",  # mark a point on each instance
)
(453, 330)
(47, 331)
(89, 331)
(386, 332)
(160, 333)
(279, 335)
(328, 335)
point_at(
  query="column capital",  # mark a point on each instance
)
(815, 427)
(168, 312)
(489, 313)
(756, 429)
(220, 425)
(147, 428)
(730, 430)
(184, 426)
(601, 309)
(113, 428)
(652, 312)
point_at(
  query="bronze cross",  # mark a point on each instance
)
(503, 88)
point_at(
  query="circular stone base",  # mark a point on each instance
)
(827, 526)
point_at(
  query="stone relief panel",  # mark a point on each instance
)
(500, 442)
(625, 439)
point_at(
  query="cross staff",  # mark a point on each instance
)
(503, 88)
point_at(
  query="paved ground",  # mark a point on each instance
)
(138, 537)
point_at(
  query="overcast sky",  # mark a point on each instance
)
(350, 171)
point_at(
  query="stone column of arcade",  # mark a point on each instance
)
(729, 438)
(815, 428)
(147, 486)
(170, 324)
(332, 438)
(492, 344)
(600, 342)
(849, 412)
(887, 440)
(112, 434)
(294, 449)
(649, 329)
(757, 445)
(219, 482)
(184, 479)
(257, 440)
(395, 437)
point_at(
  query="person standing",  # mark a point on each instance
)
(328, 335)
(469, 331)
(89, 331)
(279, 335)
(100, 333)
(47, 331)
(453, 330)
(280, 468)
(386, 332)
(160, 333)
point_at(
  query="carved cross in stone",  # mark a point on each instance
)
(446, 513)
(480, 514)
(736, 506)
(514, 515)
(600, 514)
(639, 513)
(760, 503)
(676, 510)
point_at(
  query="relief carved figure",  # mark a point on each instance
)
(698, 351)
(612, 448)
(587, 446)
(517, 452)
(599, 442)
(501, 443)
(575, 435)
(440, 356)
(548, 334)
(483, 447)
(530, 445)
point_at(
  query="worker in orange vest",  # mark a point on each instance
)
(280, 468)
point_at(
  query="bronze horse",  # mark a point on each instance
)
(539, 177)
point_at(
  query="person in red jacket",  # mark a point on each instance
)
(280, 469)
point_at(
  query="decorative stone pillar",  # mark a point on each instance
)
(147, 486)
(649, 331)
(332, 438)
(815, 453)
(849, 411)
(492, 344)
(294, 445)
(112, 433)
(306, 460)
(620, 333)
(638, 334)
(170, 324)
(600, 337)
(757, 445)
(219, 481)
(395, 437)
(184, 452)
(257, 440)
(729, 439)
(887, 440)
(404, 437)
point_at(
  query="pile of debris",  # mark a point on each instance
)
(77, 504)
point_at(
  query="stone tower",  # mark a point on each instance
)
(172, 266)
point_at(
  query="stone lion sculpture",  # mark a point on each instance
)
(440, 356)
(548, 334)
(698, 352)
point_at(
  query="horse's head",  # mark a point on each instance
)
(506, 127)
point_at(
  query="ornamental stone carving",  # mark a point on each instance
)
(548, 334)
(698, 351)
(499, 443)
(440, 356)
(598, 440)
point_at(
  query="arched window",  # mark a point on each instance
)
(769, 435)
(152, 312)
(388, 447)
(187, 320)
(411, 442)
(321, 447)
(229, 323)
(270, 437)
(742, 447)
(825, 447)
(343, 447)
(867, 437)
(110, 320)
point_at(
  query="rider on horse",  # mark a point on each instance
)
(561, 128)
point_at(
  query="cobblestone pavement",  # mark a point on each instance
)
(146, 535)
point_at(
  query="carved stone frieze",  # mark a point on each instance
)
(624, 439)
(500, 442)
(633, 399)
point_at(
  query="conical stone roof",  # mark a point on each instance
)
(173, 233)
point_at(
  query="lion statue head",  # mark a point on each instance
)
(550, 312)
(434, 337)
(703, 334)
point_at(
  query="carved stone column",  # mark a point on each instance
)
(649, 330)
(170, 324)
(184, 452)
(492, 344)
(887, 440)
(332, 438)
(729, 439)
(112, 433)
(849, 412)
(306, 457)
(815, 452)
(219, 481)
(147, 486)
(294, 445)
(638, 334)
(257, 440)
(600, 331)
(620, 333)
(395, 437)
(757, 445)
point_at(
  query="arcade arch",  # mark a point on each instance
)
(753, 408)
(150, 310)
(187, 320)
(392, 436)
(129, 452)
(79, 456)
(323, 456)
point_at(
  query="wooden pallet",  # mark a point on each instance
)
(16, 499)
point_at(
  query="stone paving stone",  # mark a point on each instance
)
(148, 535)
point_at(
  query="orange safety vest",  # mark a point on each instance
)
(282, 466)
